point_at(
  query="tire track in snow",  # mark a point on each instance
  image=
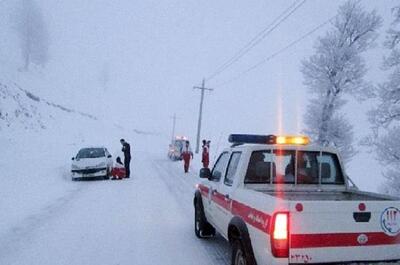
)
(12, 239)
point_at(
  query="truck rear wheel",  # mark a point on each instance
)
(238, 254)
(202, 228)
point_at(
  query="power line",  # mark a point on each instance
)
(255, 38)
(258, 38)
(266, 59)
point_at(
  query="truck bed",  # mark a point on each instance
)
(329, 196)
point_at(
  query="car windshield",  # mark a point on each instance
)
(294, 167)
(90, 153)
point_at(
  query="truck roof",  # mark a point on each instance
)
(312, 147)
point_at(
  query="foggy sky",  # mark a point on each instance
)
(156, 51)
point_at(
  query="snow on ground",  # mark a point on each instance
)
(147, 219)
(35, 164)
(48, 219)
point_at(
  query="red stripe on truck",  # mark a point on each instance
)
(342, 240)
(204, 190)
(220, 199)
(217, 197)
(254, 217)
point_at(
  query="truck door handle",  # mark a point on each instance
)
(214, 191)
(227, 198)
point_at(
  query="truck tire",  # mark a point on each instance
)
(202, 228)
(239, 256)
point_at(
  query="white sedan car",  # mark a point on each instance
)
(92, 162)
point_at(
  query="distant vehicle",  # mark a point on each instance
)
(278, 200)
(175, 148)
(92, 162)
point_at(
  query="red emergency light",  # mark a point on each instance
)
(268, 139)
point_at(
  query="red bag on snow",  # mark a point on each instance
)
(118, 172)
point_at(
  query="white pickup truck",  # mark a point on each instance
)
(279, 200)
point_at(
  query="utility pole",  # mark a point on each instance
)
(202, 88)
(173, 127)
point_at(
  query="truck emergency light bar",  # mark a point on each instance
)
(268, 139)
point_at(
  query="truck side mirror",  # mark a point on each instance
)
(205, 173)
(109, 156)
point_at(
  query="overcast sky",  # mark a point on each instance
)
(156, 51)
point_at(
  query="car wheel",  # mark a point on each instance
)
(202, 228)
(107, 176)
(238, 253)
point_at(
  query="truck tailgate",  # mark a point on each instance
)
(344, 231)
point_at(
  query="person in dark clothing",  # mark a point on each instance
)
(126, 149)
(119, 161)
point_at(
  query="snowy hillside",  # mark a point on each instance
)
(21, 108)
(38, 139)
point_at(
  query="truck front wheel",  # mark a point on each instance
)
(202, 228)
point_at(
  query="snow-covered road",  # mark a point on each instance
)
(147, 219)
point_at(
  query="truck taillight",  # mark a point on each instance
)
(280, 235)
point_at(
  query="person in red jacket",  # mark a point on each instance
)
(186, 154)
(205, 157)
(118, 171)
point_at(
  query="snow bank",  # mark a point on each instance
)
(38, 139)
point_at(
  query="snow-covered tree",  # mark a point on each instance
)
(32, 33)
(335, 70)
(340, 131)
(385, 117)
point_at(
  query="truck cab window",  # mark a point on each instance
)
(330, 169)
(285, 164)
(232, 167)
(220, 167)
(284, 161)
(259, 168)
(307, 167)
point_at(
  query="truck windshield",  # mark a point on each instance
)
(294, 167)
(179, 144)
